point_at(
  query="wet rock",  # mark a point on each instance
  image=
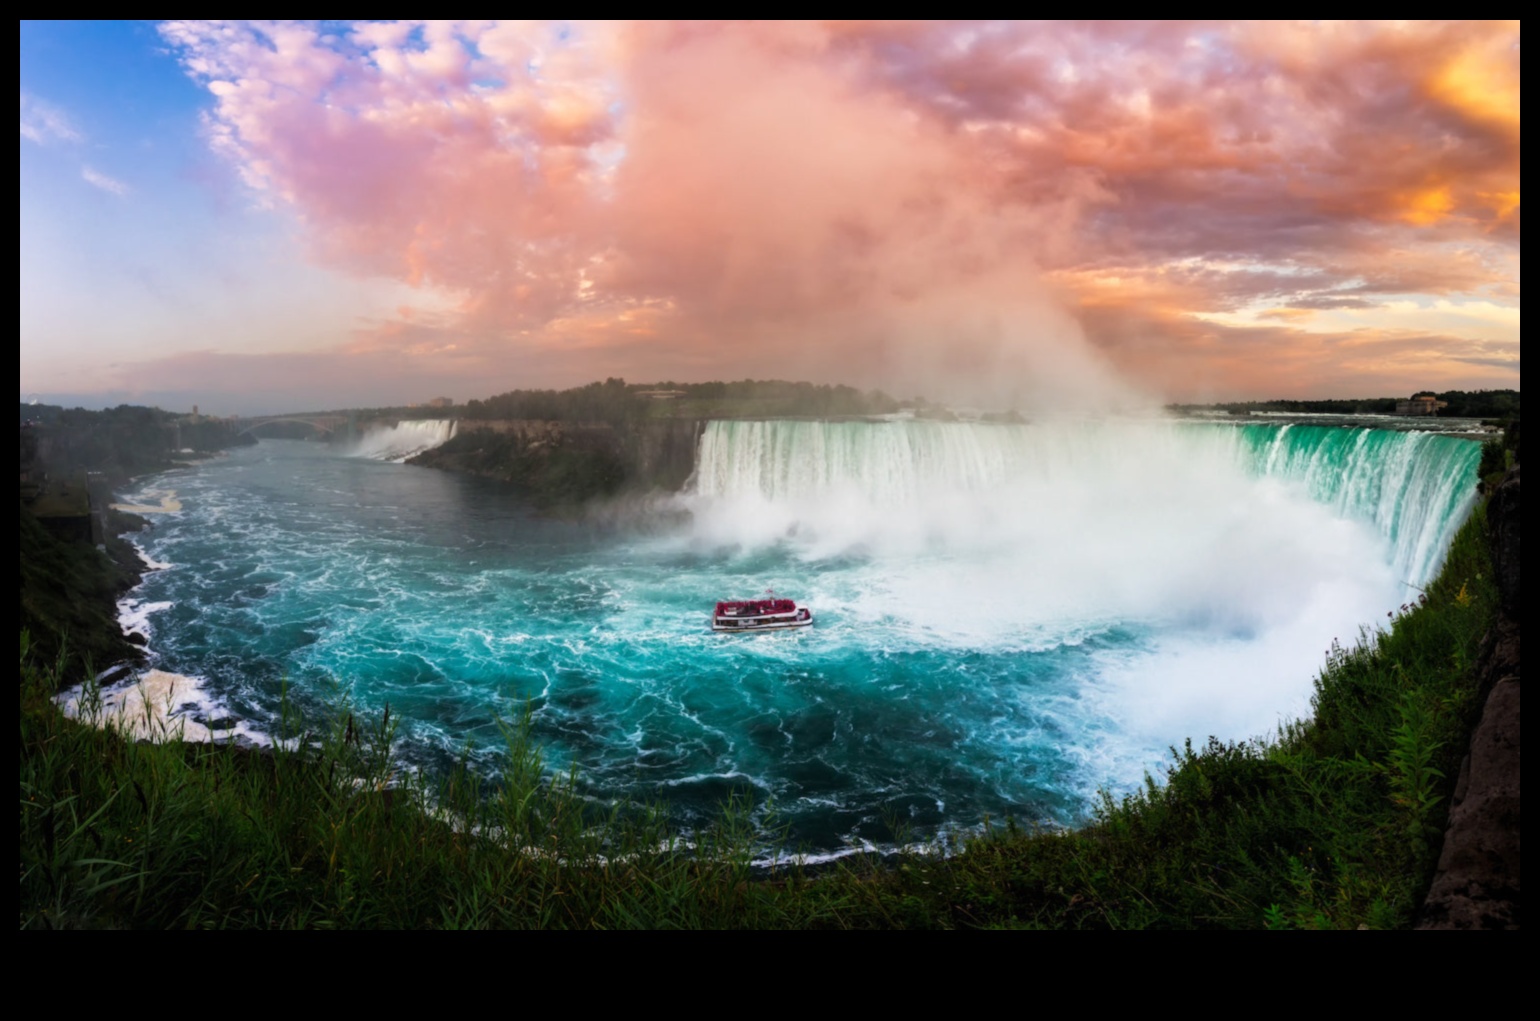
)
(121, 672)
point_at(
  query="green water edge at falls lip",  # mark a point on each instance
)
(1009, 617)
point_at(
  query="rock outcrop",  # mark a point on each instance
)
(1477, 882)
(563, 464)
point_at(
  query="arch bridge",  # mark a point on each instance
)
(324, 425)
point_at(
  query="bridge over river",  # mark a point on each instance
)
(321, 424)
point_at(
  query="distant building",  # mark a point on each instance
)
(661, 395)
(1424, 405)
(441, 402)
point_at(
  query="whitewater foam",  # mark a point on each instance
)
(134, 615)
(161, 706)
(149, 562)
(402, 440)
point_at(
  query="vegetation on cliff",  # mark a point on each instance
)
(553, 467)
(618, 403)
(771, 398)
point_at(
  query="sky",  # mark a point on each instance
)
(265, 216)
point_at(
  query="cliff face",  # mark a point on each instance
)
(661, 453)
(567, 463)
(1477, 883)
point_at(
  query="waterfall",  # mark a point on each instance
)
(402, 440)
(1414, 487)
(959, 481)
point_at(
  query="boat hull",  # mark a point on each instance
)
(743, 627)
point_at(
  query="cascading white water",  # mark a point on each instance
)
(403, 439)
(869, 481)
(1414, 487)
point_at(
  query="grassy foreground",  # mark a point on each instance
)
(1334, 824)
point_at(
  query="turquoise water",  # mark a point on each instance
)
(1008, 617)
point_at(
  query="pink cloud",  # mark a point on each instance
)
(880, 203)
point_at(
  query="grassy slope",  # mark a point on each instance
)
(1334, 825)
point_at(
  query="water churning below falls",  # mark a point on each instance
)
(1008, 617)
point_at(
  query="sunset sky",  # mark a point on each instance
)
(257, 216)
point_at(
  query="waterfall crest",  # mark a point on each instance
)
(1412, 488)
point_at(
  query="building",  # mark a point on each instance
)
(1426, 404)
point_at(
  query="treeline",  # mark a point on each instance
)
(121, 442)
(1495, 404)
(1499, 404)
(611, 401)
(785, 398)
(617, 402)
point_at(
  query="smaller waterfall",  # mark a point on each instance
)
(403, 439)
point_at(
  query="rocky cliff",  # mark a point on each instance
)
(563, 464)
(1477, 883)
(661, 453)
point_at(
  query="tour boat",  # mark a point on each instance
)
(768, 614)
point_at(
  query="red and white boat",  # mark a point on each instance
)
(768, 614)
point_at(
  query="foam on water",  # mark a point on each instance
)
(149, 562)
(161, 706)
(134, 615)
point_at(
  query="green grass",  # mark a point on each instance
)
(1333, 824)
